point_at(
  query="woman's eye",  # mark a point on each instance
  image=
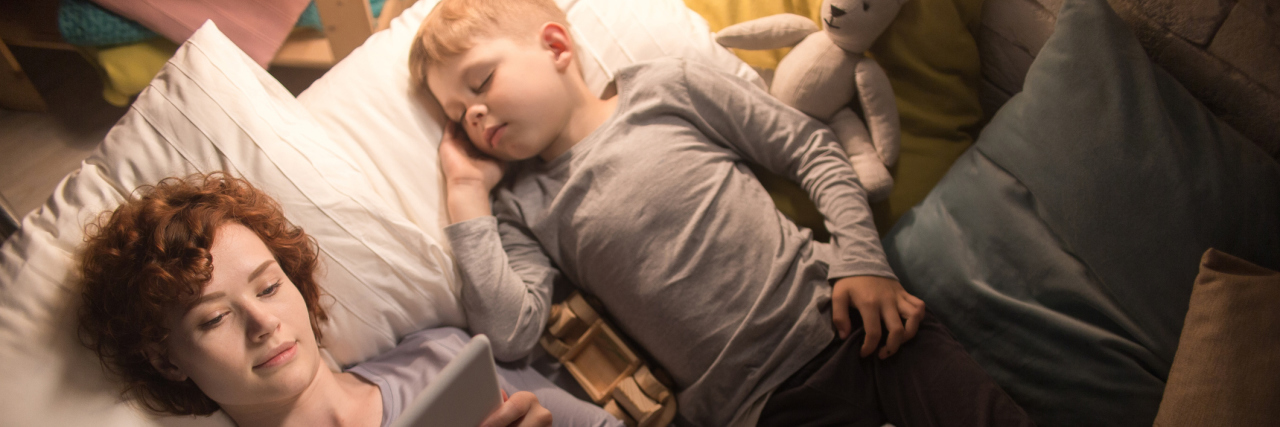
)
(213, 322)
(270, 290)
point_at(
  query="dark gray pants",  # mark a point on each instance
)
(931, 381)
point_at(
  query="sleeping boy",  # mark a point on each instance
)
(645, 201)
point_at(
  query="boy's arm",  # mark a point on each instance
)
(506, 278)
(787, 142)
(506, 283)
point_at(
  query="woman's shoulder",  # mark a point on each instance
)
(444, 339)
(443, 343)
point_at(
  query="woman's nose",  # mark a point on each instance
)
(260, 322)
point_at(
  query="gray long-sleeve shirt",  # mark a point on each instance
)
(656, 214)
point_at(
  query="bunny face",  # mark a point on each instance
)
(855, 24)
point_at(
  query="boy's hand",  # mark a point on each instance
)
(469, 175)
(463, 164)
(521, 409)
(876, 298)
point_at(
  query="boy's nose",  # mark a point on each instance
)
(475, 114)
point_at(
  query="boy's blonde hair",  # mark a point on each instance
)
(453, 26)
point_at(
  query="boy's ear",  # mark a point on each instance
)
(160, 361)
(556, 39)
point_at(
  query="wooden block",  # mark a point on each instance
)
(613, 409)
(650, 384)
(564, 324)
(599, 361)
(665, 415)
(555, 347)
(634, 401)
(580, 307)
(606, 368)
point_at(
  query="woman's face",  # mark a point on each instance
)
(247, 340)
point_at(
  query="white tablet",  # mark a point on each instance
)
(464, 393)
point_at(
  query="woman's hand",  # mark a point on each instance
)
(469, 175)
(520, 410)
(876, 298)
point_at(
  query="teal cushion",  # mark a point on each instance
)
(1061, 249)
(84, 23)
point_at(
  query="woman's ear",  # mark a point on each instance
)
(556, 39)
(160, 361)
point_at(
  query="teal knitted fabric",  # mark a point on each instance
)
(84, 23)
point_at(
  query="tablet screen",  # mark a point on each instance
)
(464, 393)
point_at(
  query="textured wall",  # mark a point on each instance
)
(1226, 53)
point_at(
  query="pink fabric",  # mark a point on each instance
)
(258, 27)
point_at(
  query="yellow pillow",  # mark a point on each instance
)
(931, 57)
(723, 13)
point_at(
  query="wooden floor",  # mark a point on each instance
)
(38, 149)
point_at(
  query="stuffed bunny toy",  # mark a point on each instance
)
(826, 71)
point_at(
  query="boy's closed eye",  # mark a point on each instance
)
(476, 89)
(455, 115)
(483, 84)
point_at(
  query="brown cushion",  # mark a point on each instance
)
(1226, 371)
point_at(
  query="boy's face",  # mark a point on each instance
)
(509, 94)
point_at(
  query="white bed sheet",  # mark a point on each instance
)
(353, 161)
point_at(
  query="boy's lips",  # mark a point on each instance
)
(493, 134)
(279, 355)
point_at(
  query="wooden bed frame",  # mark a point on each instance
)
(347, 23)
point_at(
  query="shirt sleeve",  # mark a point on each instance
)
(787, 142)
(506, 282)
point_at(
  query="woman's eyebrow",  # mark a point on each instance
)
(261, 268)
(204, 299)
(215, 295)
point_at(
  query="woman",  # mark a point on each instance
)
(201, 295)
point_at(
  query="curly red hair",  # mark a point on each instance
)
(151, 255)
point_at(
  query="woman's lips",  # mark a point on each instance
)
(280, 355)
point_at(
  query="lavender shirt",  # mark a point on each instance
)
(405, 371)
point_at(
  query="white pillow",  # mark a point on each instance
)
(211, 108)
(366, 105)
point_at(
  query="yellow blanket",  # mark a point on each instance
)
(127, 69)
